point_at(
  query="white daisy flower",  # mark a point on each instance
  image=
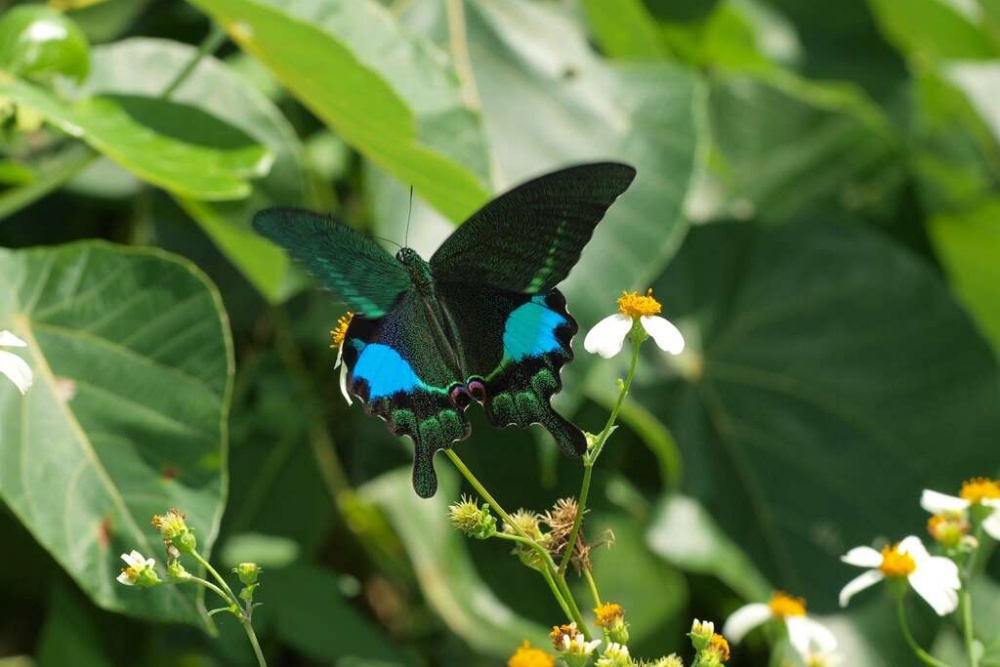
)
(934, 578)
(804, 634)
(820, 658)
(14, 367)
(615, 655)
(140, 572)
(338, 335)
(608, 336)
(980, 496)
(576, 646)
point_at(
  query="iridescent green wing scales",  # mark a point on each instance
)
(403, 372)
(358, 272)
(528, 239)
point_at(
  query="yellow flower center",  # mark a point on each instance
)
(132, 573)
(340, 332)
(895, 563)
(634, 305)
(720, 646)
(980, 489)
(608, 613)
(784, 605)
(527, 656)
(560, 631)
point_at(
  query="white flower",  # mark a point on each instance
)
(608, 336)
(615, 655)
(13, 366)
(140, 570)
(578, 646)
(339, 334)
(934, 578)
(804, 634)
(820, 658)
(980, 492)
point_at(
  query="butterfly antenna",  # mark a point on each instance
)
(409, 211)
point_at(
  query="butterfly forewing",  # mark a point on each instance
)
(529, 238)
(359, 273)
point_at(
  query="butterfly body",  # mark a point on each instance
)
(480, 322)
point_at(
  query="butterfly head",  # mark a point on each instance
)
(419, 270)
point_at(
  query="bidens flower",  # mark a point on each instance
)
(980, 497)
(13, 366)
(572, 645)
(608, 336)
(140, 571)
(934, 578)
(804, 634)
(338, 335)
(528, 656)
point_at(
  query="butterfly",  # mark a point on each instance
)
(481, 321)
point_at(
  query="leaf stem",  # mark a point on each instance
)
(215, 38)
(923, 655)
(592, 584)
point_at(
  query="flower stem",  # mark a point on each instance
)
(923, 655)
(565, 597)
(590, 458)
(589, 576)
(218, 577)
(243, 614)
(967, 630)
(252, 636)
(212, 587)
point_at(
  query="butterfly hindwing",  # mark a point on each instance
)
(527, 240)
(397, 367)
(353, 267)
(516, 344)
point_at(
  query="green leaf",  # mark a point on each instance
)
(127, 417)
(445, 572)
(829, 378)
(685, 535)
(968, 244)
(182, 168)
(325, 72)
(786, 146)
(309, 613)
(37, 42)
(625, 29)
(146, 67)
(935, 29)
(69, 636)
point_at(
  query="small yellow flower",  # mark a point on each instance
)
(608, 613)
(978, 502)
(337, 336)
(784, 605)
(719, 647)
(473, 520)
(978, 489)
(175, 530)
(140, 571)
(896, 563)
(608, 336)
(528, 656)
(804, 634)
(948, 528)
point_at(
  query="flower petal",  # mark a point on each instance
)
(934, 587)
(991, 524)
(7, 339)
(745, 619)
(862, 557)
(808, 636)
(912, 546)
(664, 333)
(608, 336)
(17, 371)
(343, 380)
(936, 503)
(858, 584)
(123, 578)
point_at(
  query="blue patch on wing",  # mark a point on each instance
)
(530, 330)
(384, 369)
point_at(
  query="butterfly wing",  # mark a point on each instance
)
(529, 238)
(360, 273)
(403, 371)
(515, 345)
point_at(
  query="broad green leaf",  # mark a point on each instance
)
(308, 611)
(347, 93)
(182, 168)
(146, 67)
(625, 29)
(786, 146)
(829, 378)
(446, 574)
(936, 29)
(685, 535)
(968, 244)
(127, 417)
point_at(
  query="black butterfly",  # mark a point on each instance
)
(481, 321)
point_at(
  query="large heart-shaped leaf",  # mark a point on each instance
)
(187, 169)
(829, 378)
(325, 73)
(132, 361)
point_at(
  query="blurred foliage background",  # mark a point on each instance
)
(817, 206)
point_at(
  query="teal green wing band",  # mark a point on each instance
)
(358, 272)
(529, 238)
(515, 345)
(398, 369)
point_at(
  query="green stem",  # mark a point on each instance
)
(592, 584)
(212, 587)
(218, 577)
(556, 593)
(591, 458)
(215, 38)
(243, 614)
(566, 597)
(967, 630)
(923, 655)
(252, 636)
